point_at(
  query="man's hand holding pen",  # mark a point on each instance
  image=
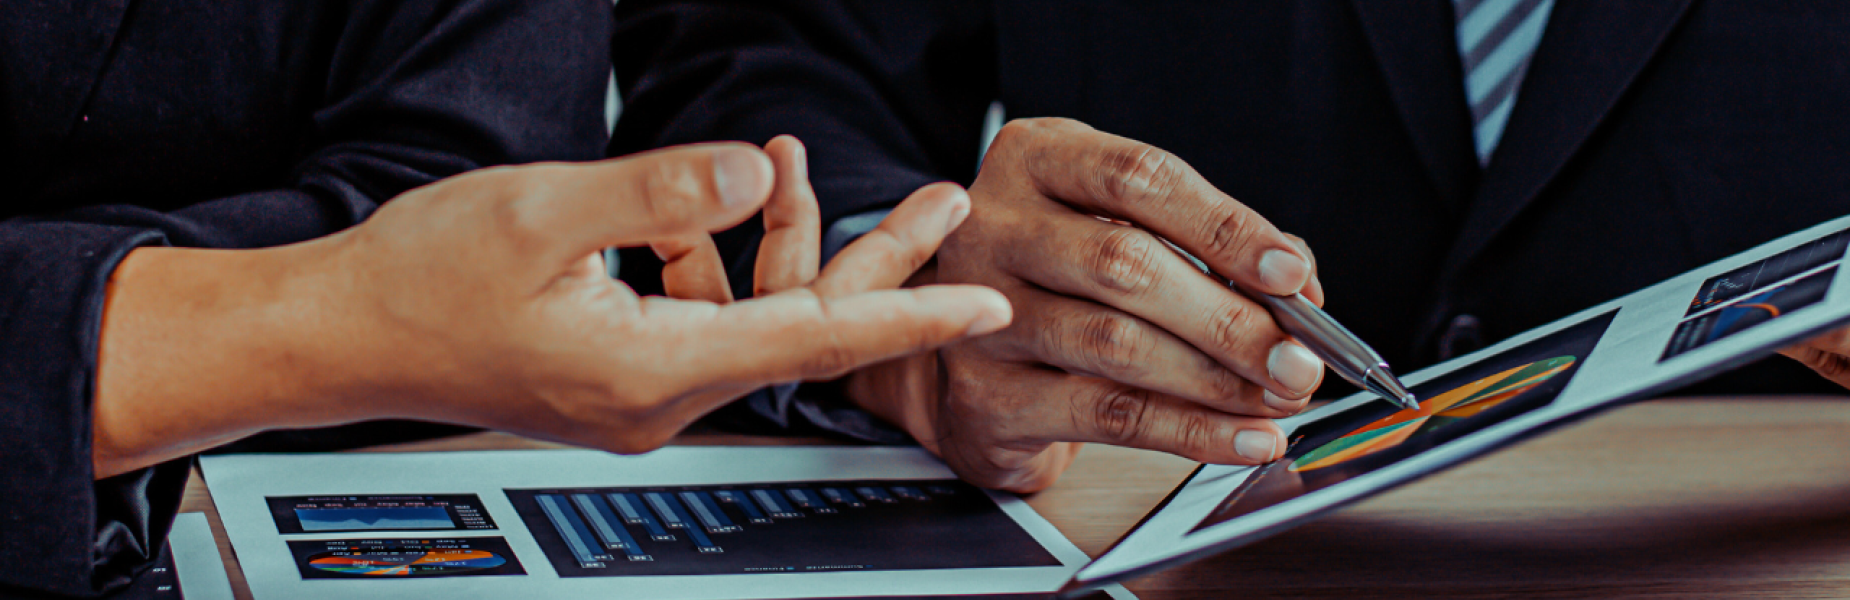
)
(1116, 339)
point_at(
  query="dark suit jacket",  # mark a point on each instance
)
(226, 124)
(1650, 137)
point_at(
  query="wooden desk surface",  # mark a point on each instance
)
(1667, 499)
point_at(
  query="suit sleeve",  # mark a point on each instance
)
(417, 91)
(887, 96)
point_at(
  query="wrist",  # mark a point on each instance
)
(201, 347)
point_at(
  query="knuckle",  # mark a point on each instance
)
(1014, 132)
(1031, 126)
(1123, 261)
(1021, 133)
(1196, 435)
(1114, 345)
(517, 203)
(1137, 172)
(1227, 385)
(1119, 416)
(1229, 235)
(522, 223)
(1233, 328)
(670, 191)
(1025, 139)
(1832, 366)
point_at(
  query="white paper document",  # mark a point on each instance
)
(197, 563)
(1679, 331)
(693, 523)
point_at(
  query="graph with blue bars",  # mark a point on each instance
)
(786, 527)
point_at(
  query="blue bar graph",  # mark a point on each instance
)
(775, 505)
(768, 527)
(815, 501)
(910, 493)
(666, 504)
(608, 527)
(808, 499)
(573, 530)
(669, 517)
(842, 497)
(709, 512)
(874, 494)
(737, 498)
(635, 513)
(598, 523)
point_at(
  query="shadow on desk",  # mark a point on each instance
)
(1671, 499)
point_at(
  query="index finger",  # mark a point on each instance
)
(797, 335)
(1126, 179)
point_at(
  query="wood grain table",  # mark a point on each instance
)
(1740, 498)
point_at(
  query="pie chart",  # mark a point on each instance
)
(1460, 403)
(407, 563)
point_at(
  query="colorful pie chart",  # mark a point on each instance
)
(1460, 403)
(408, 563)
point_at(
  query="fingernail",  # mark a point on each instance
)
(960, 210)
(739, 175)
(993, 318)
(1256, 446)
(1280, 403)
(801, 159)
(1294, 367)
(988, 322)
(1282, 272)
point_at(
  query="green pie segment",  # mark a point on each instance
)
(1350, 446)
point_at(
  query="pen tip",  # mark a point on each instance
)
(1382, 382)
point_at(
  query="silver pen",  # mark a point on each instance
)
(1345, 354)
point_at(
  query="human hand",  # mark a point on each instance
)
(1828, 354)
(566, 353)
(788, 255)
(483, 300)
(1117, 339)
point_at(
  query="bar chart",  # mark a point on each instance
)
(787, 527)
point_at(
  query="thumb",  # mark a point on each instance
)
(630, 201)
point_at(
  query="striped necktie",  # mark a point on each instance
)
(1496, 38)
